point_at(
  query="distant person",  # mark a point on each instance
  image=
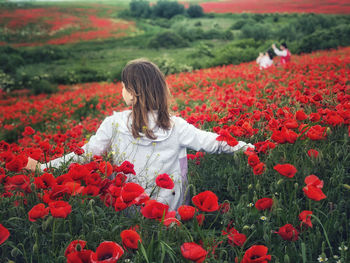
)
(264, 60)
(284, 53)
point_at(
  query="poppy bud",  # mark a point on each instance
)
(296, 185)
(91, 202)
(35, 248)
(46, 223)
(257, 186)
(286, 258)
(15, 252)
(346, 186)
(280, 181)
(246, 227)
(250, 186)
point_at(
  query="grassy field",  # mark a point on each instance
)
(177, 44)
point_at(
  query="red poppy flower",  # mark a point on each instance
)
(79, 257)
(60, 209)
(78, 150)
(225, 136)
(34, 153)
(28, 131)
(237, 239)
(126, 168)
(259, 169)
(305, 218)
(314, 181)
(287, 170)
(130, 191)
(264, 146)
(107, 252)
(256, 254)
(17, 163)
(264, 203)
(224, 207)
(78, 172)
(300, 115)
(312, 153)
(38, 211)
(6, 156)
(315, 117)
(4, 234)
(130, 239)
(45, 181)
(91, 190)
(334, 119)
(316, 133)
(253, 160)
(288, 232)
(186, 212)
(119, 204)
(18, 182)
(193, 252)
(74, 246)
(120, 179)
(314, 193)
(154, 210)
(106, 168)
(164, 181)
(206, 201)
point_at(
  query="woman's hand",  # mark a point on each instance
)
(32, 164)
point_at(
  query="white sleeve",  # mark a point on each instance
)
(199, 140)
(97, 145)
(281, 53)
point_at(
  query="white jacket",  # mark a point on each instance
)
(165, 154)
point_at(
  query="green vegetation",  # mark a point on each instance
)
(182, 42)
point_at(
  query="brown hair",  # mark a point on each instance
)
(147, 84)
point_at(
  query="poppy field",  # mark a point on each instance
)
(271, 6)
(284, 201)
(57, 25)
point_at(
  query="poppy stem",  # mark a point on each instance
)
(53, 233)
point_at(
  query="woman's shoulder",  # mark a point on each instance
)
(178, 122)
(117, 117)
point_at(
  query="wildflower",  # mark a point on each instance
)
(193, 252)
(288, 232)
(250, 205)
(343, 248)
(264, 204)
(322, 258)
(4, 234)
(186, 212)
(107, 251)
(263, 218)
(164, 181)
(256, 253)
(287, 170)
(206, 201)
(130, 239)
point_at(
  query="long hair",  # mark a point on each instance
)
(147, 84)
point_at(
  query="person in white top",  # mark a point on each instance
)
(148, 136)
(264, 60)
(284, 53)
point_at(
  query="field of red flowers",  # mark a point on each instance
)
(285, 201)
(281, 6)
(55, 25)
